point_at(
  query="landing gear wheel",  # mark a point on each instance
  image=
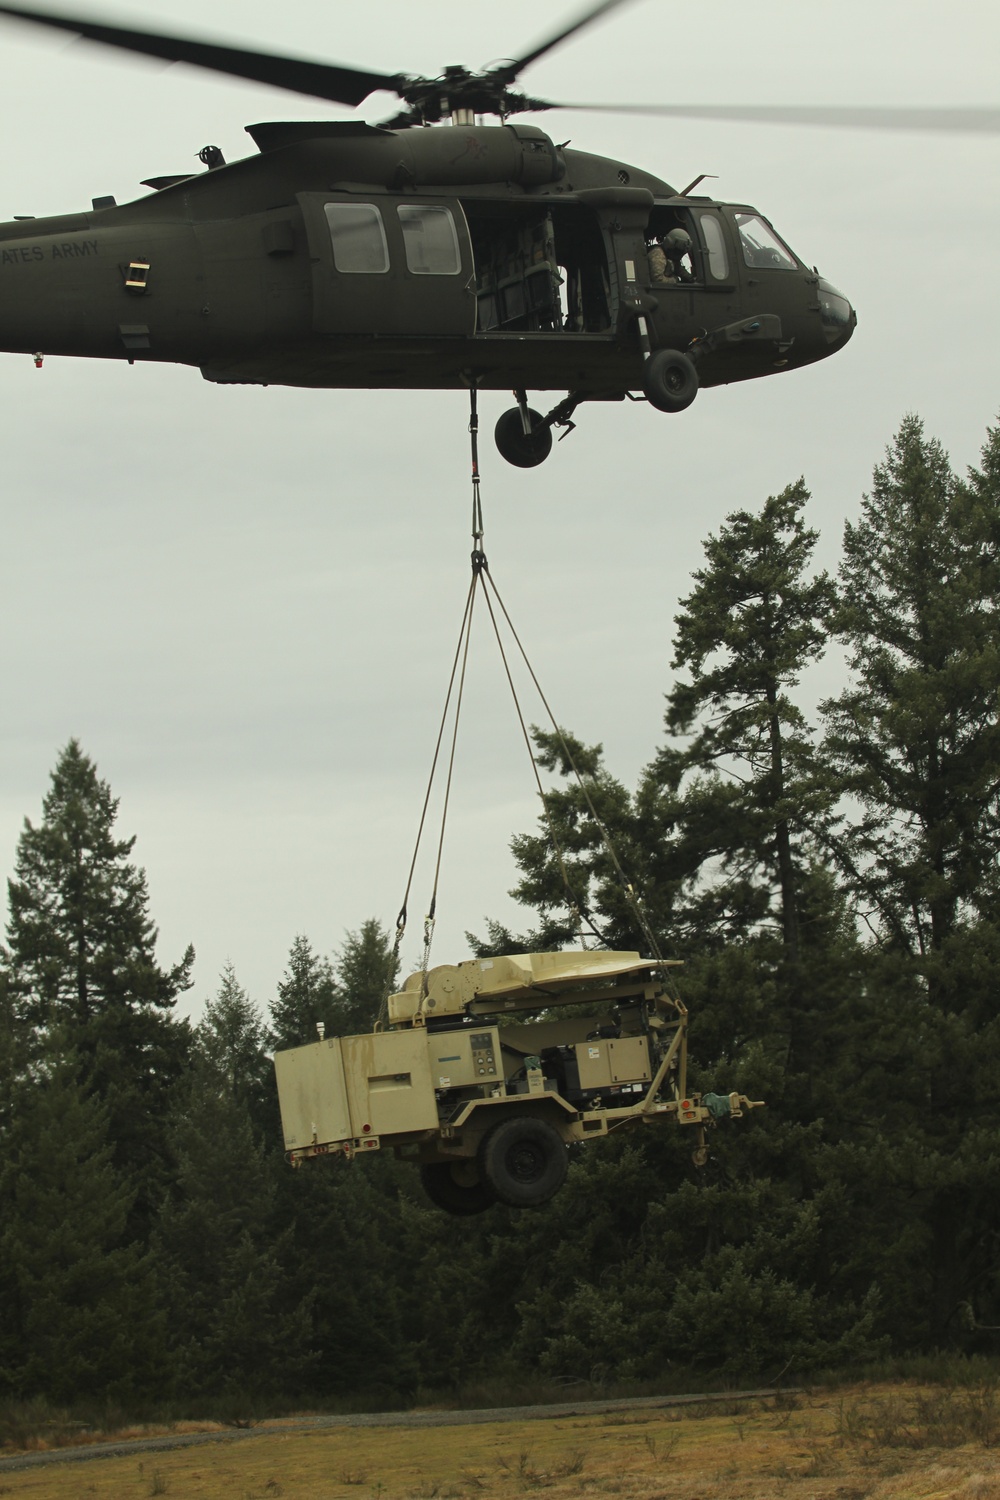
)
(457, 1187)
(522, 449)
(669, 380)
(524, 1161)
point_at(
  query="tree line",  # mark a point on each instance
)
(830, 880)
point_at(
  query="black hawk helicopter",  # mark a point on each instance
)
(400, 256)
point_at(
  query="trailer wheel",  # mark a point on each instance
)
(669, 380)
(457, 1187)
(524, 1161)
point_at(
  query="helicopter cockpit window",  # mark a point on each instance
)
(358, 236)
(430, 240)
(761, 247)
(715, 244)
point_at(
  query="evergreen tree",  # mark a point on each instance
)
(218, 1250)
(232, 1039)
(917, 734)
(353, 1253)
(721, 838)
(568, 873)
(720, 829)
(82, 943)
(344, 997)
(366, 971)
(754, 622)
(81, 961)
(237, 1326)
(78, 1320)
(11, 1343)
(307, 997)
(917, 738)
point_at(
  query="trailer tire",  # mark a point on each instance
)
(524, 1161)
(442, 1182)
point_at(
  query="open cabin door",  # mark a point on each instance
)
(391, 266)
(541, 268)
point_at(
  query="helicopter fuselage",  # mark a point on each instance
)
(345, 255)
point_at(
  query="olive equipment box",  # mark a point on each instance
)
(485, 1072)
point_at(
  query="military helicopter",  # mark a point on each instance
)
(406, 256)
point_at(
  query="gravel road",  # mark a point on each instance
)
(372, 1419)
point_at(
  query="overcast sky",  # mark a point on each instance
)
(244, 601)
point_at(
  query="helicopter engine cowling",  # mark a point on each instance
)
(459, 156)
(475, 154)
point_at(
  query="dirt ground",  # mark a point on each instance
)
(863, 1443)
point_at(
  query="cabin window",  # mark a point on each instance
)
(358, 236)
(715, 244)
(430, 241)
(761, 247)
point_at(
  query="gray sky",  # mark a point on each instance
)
(244, 601)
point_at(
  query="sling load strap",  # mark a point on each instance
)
(481, 574)
(429, 920)
(402, 918)
(481, 566)
(392, 971)
(461, 652)
(577, 908)
(478, 555)
(628, 888)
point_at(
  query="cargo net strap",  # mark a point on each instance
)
(628, 889)
(482, 580)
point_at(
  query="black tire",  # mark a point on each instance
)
(524, 1161)
(444, 1185)
(669, 380)
(524, 450)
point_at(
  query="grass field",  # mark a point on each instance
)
(899, 1442)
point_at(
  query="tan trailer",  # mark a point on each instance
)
(486, 1071)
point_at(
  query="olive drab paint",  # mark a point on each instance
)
(404, 257)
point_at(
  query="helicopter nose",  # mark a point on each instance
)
(839, 317)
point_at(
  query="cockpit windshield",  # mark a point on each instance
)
(762, 248)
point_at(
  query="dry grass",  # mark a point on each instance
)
(42, 1436)
(866, 1443)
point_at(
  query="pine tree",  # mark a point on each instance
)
(307, 997)
(237, 1325)
(917, 734)
(11, 1067)
(232, 1039)
(78, 1321)
(569, 876)
(352, 1255)
(722, 838)
(82, 943)
(366, 970)
(719, 835)
(344, 997)
(754, 622)
(81, 961)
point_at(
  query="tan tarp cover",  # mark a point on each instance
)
(451, 986)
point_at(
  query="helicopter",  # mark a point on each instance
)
(430, 251)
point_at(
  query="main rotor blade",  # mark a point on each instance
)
(509, 71)
(978, 119)
(320, 80)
